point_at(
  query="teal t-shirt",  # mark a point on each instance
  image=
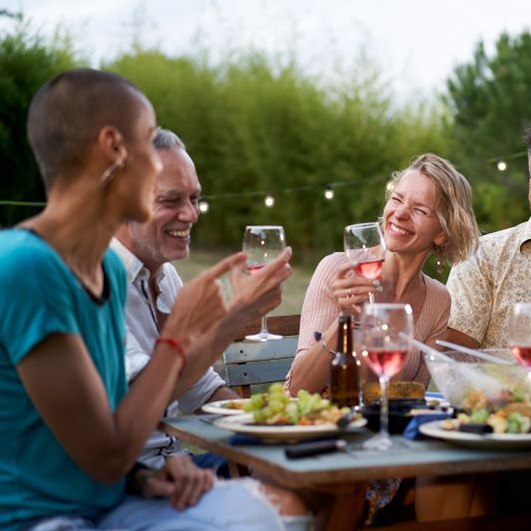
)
(41, 296)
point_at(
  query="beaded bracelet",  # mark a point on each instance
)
(176, 346)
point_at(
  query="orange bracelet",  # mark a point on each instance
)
(175, 345)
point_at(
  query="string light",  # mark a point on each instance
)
(269, 201)
(500, 162)
(329, 193)
(203, 206)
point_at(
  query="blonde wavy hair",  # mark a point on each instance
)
(453, 206)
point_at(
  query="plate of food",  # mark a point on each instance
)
(245, 424)
(275, 416)
(233, 406)
(441, 429)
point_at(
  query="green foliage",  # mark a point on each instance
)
(26, 61)
(489, 107)
(251, 125)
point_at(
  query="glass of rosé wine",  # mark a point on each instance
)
(386, 332)
(262, 244)
(365, 248)
(519, 333)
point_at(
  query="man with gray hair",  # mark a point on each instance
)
(147, 250)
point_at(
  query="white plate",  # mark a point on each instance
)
(490, 441)
(219, 408)
(244, 424)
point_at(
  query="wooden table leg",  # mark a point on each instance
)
(346, 511)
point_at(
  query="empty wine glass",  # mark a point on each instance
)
(262, 243)
(519, 333)
(386, 332)
(365, 248)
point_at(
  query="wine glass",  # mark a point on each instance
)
(365, 248)
(519, 333)
(386, 332)
(262, 243)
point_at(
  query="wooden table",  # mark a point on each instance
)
(345, 474)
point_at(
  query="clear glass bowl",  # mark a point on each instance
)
(465, 380)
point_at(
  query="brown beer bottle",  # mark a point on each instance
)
(344, 369)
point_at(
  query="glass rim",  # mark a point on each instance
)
(264, 227)
(363, 225)
(390, 306)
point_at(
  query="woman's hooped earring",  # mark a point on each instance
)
(108, 174)
(439, 264)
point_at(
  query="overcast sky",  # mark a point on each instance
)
(415, 43)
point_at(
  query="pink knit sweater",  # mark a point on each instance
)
(320, 309)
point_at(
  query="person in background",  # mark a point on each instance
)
(147, 250)
(70, 428)
(485, 287)
(428, 210)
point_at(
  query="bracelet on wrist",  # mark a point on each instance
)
(176, 346)
(324, 347)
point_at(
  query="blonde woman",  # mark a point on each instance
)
(428, 210)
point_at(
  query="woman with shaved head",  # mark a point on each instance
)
(70, 428)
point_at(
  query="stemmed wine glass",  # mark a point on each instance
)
(386, 331)
(365, 248)
(519, 333)
(262, 243)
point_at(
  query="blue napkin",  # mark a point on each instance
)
(412, 429)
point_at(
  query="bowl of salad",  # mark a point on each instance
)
(470, 383)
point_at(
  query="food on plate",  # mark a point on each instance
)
(233, 404)
(276, 407)
(512, 416)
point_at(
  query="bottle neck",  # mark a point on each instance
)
(344, 335)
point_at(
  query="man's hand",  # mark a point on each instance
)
(255, 295)
(179, 480)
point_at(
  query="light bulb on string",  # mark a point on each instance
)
(203, 206)
(502, 165)
(269, 201)
(329, 193)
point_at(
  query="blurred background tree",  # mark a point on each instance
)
(489, 107)
(26, 62)
(254, 125)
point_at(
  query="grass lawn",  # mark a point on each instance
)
(293, 289)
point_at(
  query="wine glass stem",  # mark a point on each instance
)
(264, 332)
(371, 297)
(384, 407)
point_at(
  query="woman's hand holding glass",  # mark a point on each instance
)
(351, 291)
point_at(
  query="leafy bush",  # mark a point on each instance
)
(26, 62)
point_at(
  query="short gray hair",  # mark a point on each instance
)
(166, 139)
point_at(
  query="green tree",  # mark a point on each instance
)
(26, 62)
(254, 126)
(489, 106)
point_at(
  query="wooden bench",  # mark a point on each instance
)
(249, 363)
